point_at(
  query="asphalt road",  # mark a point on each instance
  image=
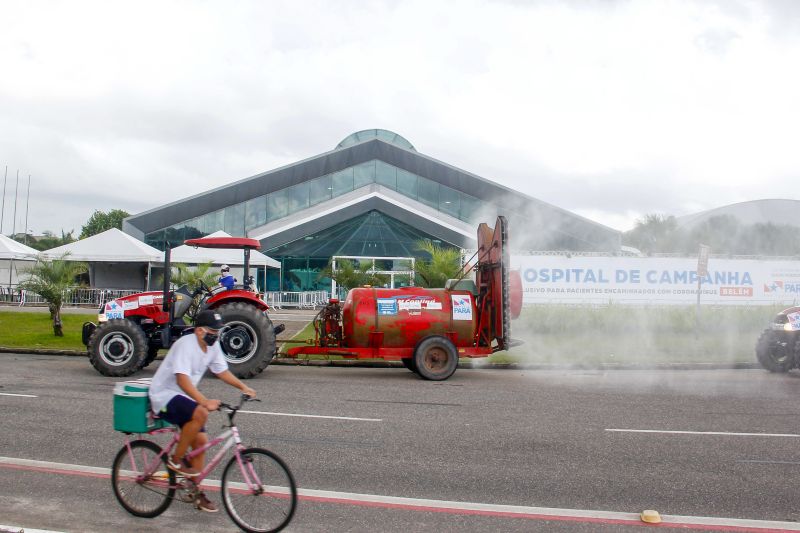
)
(537, 439)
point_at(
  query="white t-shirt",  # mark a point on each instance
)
(185, 357)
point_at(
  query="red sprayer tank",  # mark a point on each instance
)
(403, 317)
(428, 329)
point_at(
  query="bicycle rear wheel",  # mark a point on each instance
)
(259, 495)
(142, 483)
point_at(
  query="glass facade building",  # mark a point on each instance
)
(373, 195)
(240, 218)
(370, 235)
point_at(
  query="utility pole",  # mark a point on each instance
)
(702, 271)
(27, 203)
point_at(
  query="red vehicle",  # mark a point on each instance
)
(428, 329)
(133, 328)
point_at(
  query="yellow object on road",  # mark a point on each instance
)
(650, 516)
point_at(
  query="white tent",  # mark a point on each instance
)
(222, 256)
(111, 245)
(116, 260)
(14, 255)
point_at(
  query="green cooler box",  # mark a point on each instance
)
(132, 408)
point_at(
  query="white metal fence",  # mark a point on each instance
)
(297, 300)
(81, 297)
(77, 297)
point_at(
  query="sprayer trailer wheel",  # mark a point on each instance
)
(408, 362)
(436, 358)
(118, 348)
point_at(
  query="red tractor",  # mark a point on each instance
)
(778, 347)
(133, 328)
(428, 329)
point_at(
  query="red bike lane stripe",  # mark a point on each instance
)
(632, 521)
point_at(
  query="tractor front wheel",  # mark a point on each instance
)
(247, 339)
(118, 348)
(435, 358)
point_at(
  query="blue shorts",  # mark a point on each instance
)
(179, 411)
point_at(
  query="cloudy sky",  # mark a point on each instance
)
(610, 109)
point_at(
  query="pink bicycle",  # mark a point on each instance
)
(258, 490)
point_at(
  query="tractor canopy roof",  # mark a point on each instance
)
(237, 243)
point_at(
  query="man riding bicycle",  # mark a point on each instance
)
(175, 398)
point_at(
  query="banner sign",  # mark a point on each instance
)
(656, 280)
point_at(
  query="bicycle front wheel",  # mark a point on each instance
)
(142, 483)
(259, 493)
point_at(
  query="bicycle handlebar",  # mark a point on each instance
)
(244, 398)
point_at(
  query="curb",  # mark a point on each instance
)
(42, 351)
(468, 365)
(351, 363)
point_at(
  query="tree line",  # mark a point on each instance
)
(99, 222)
(725, 234)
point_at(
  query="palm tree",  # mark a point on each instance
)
(182, 274)
(444, 264)
(53, 280)
(348, 276)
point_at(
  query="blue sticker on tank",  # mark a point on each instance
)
(387, 306)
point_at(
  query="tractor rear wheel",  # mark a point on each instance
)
(435, 358)
(247, 339)
(118, 348)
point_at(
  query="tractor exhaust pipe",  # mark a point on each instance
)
(246, 280)
(165, 303)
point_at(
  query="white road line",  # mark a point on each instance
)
(766, 462)
(315, 416)
(728, 433)
(19, 395)
(20, 529)
(486, 509)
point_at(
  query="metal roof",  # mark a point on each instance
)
(532, 214)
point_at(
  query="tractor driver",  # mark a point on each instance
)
(176, 399)
(225, 278)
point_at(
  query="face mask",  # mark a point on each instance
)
(210, 338)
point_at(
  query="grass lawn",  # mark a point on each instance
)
(35, 330)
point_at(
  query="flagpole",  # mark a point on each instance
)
(16, 194)
(3, 210)
(27, 203)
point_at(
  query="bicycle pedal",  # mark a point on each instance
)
(188, 485)
(186, 497)
(187, 491)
